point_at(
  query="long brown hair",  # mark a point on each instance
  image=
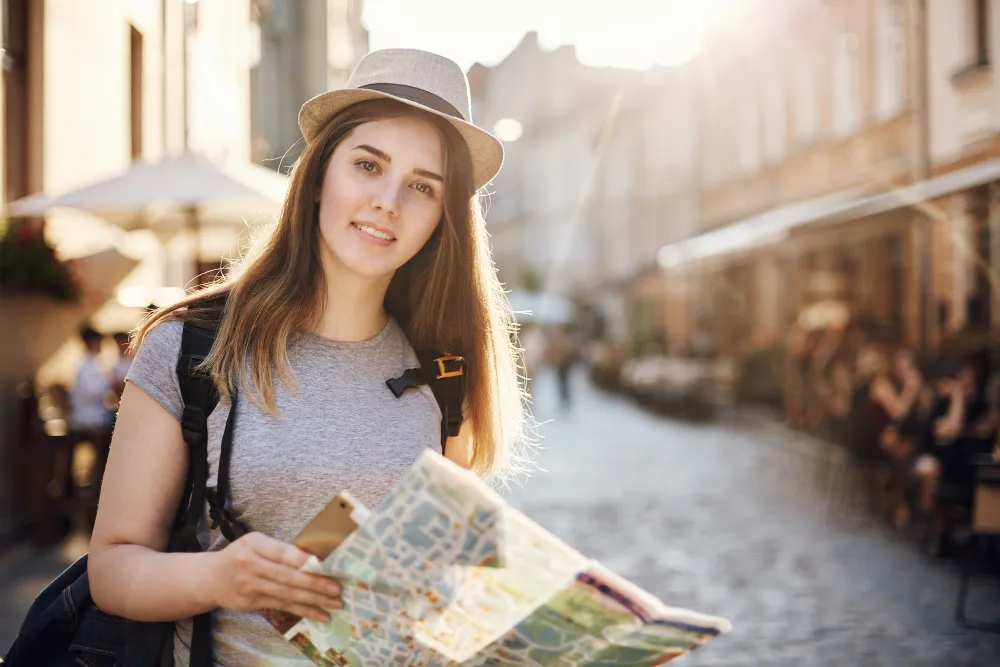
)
(446, 298)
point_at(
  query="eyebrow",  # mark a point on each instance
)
(382, 155)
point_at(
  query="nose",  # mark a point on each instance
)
(385, 199)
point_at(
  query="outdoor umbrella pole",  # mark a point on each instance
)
(194, 229)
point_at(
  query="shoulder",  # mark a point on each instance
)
(163, 339)
(154, 369)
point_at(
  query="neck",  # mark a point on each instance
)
(354, 308)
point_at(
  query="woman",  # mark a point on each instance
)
(880, 409)
(380, 249)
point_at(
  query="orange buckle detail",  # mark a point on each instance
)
(445, 373)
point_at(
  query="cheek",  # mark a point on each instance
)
(424, 224)
(334, 204)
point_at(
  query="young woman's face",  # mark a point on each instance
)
(382, 195)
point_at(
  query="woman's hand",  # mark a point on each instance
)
(259, 572)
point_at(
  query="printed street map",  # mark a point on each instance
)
(443, 572)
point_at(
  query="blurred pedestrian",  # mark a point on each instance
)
(88, 408)
(563, 353)
(380, 251)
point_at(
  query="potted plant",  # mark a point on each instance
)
(29, 264)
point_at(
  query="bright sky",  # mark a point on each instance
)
(621, 33)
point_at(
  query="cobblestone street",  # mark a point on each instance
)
(721, 519)
(724, 520)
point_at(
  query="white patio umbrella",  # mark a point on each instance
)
(184, 191)
(187, 189)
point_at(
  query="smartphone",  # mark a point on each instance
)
(331, 526)
(320, 537)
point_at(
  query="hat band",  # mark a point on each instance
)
(417, 95)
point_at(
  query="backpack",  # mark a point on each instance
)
(63, 626)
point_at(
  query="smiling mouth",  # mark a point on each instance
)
(371, 231)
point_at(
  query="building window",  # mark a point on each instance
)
(891, 67)
(806, 101)
(135, 92)
(980, 33)
(978, 39)
(846, 102)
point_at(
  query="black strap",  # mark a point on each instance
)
(200, 399)
(218, 498)
(202, 654)
(418, 95)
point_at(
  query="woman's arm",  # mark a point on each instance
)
(131, 577)
(140, 493)
(950, 426)
(896, 405)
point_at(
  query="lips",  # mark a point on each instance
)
(374, 231)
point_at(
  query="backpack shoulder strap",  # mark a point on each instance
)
(445, 374)
(200, 398)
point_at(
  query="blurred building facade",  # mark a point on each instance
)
(533, 217)
(812, 152)
(599, 179)
(84, 94)
(811, 124)
(307, 47)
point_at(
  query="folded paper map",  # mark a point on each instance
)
(443, 572)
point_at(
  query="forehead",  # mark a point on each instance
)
(409, 139)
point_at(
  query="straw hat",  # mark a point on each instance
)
(420, 79)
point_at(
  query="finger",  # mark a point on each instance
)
(300, 596)
(303, 610)
(292, 578)
(280, 552)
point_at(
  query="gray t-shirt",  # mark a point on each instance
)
(340, 428)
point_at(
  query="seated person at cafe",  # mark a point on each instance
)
(963, 424)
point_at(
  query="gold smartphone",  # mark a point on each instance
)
(320, 537)
(330, 527)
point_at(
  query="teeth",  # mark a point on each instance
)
(374, 232)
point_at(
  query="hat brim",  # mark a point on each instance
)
(485, 149)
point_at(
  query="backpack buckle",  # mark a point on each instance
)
(450, 366)
(231, 528)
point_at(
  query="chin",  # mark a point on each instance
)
(369, 267)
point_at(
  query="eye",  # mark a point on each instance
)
(367, 165)
(424, 189)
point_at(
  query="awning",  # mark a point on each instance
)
(775, 225)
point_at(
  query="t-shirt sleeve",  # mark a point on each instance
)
(154, 369)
